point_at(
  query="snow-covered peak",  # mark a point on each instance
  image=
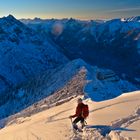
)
(123, 19)
(10, 17)
(120, 25)
(135, 18)
(9, 20)
(10, 26)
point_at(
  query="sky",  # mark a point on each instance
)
(81, 9)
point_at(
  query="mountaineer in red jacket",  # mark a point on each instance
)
(81, 114)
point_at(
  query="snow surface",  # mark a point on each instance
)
(108, 120)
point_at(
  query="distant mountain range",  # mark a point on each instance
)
(113, 44)
(63, 58)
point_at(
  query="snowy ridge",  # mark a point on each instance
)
(47, 84)
(74, 79)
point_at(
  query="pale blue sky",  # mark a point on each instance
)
(83, 9)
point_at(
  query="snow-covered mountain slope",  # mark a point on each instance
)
(108, 120)
(68, 81)
(135, 18)
(24, 53)
(112, 44)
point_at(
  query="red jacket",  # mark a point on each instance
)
(78, 110)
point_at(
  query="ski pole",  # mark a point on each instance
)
(71, 121)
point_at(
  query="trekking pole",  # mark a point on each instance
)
(71, 121)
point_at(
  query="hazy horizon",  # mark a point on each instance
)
(22, 18)
(80, 9)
